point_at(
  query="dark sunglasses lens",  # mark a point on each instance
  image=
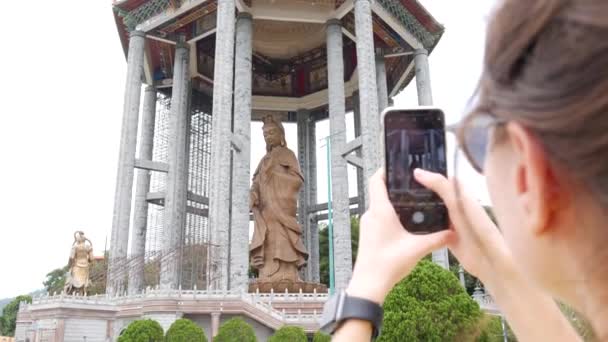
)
(477, 137)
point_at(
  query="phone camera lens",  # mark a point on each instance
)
(418, 217)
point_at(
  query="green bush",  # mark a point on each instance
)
(235, 330)
(321, 337)
(289, 334)
(429, 305)
(184, 330)
(143, 330)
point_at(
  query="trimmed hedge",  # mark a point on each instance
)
(143, 330)
(429, 305)
(235, 330)
(289, 334)
(184, 330)
(321, 337)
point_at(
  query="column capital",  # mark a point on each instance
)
(421, 52)
(334, 21)
(244, 15)
(150, 88)
(137, 33)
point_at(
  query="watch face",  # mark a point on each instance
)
(328, 319)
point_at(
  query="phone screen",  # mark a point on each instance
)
(415, 139)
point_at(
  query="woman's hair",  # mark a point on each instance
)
(546, 66)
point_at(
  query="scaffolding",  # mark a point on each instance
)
(194, 249)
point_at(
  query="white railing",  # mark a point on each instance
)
(486, 302)
(261, 301)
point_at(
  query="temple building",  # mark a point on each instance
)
(202, 71)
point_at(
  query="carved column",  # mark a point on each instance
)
(423, 77)
(177, 178)
(313, 252)
(239, 231)
(126, 164)
(381, 83)
(219, 194)
(140, 219)
(360, 180)
(368, 95)
(308, 194)
(425, 98)
(339, 174)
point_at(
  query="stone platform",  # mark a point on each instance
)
(287, 287)
(101, 318)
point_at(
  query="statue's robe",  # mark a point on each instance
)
(277, 237)
(81, 257)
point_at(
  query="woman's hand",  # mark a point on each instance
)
(387, 252)
(478, 244)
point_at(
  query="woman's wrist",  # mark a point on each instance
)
(367, 286)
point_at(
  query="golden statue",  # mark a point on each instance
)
(276, 250)
(79, 265)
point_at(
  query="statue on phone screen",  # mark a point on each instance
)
(276, 249)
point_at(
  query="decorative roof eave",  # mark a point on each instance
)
(423, 27)
(414, 25)
(131, 18)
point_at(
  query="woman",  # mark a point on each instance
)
(541, 120)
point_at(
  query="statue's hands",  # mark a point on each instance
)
(257, 262)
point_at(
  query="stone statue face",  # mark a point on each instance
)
(272, 135)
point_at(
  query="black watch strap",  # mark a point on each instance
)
(367, 310)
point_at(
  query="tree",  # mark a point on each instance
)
(289, 334)
(324, 247)
(321, 337)
(55, 280)
(8, 319)
(235, 330)
(184, 330)
(143, 330)
(429, 305)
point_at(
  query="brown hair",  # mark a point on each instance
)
(546, 66)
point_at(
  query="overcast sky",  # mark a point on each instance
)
(63, 75)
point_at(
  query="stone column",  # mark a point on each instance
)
(177, 179)
(239, 231)
(311, 170)
(425, 98)
(306, 157)
(140, 219)
(126, 164)
(219, 195)
(368, 93)
(339, 175)
(423, 77)
(303, 205)
(381, 83)
(360, 180)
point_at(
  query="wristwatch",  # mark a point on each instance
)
(341, 307)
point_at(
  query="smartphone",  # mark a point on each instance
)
(415, 138)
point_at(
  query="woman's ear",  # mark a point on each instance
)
(535, 180)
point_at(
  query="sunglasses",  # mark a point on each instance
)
(474, 134)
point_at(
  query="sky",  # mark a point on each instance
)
(63, 76)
